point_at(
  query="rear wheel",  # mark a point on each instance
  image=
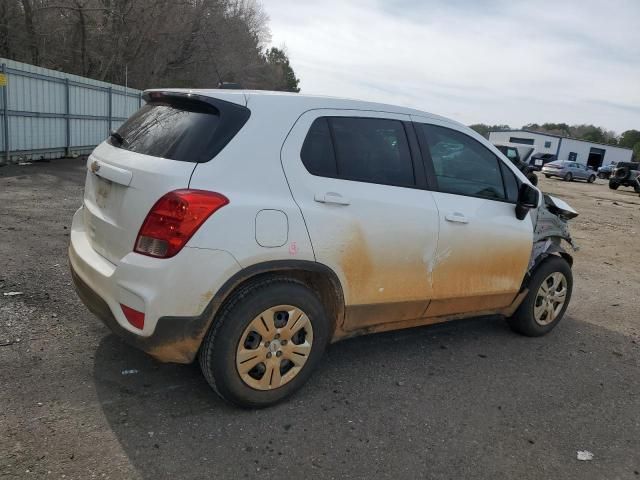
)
(613, 185)
(265, 343)
(549, 294)
(568, 177)
(591, 179)
(548, 176)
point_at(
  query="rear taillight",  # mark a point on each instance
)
(174, 219)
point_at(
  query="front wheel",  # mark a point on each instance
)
(591, 179)
(549, 294)
(568, 177)
(613, 185)
(265, 343)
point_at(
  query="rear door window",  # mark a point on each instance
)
(177, 130)
(373, 150)
(317, 151)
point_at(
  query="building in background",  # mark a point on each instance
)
(581, 151)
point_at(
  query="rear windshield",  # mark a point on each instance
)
(179, 130)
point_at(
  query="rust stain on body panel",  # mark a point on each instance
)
(407, 283)
(506, 311)
(376, 279)
(489, 279)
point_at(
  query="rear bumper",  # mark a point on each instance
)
(175, 339)
(176, 295)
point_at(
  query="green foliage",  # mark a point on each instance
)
(484, 129)
(277, 58)
(590, 133)
(561, 129)
(630, 139)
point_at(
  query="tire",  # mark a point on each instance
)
(525, 321)
(548, 176)
(636, 187)
(591, 179)
(220, 357)
(622, 173)
(613, 185)
(568, 177)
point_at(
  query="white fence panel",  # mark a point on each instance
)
(48, 114)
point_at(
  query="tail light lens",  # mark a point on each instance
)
(134, 317)
(174, 219)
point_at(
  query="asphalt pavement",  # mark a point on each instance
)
(468, 399)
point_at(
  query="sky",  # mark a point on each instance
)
(475, 61)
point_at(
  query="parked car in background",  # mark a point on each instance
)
(569, 171)
(249, 230)
(539, 160)
(625, 174)
(605, 171)
(518, 155)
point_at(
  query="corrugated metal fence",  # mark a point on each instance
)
(50, 114)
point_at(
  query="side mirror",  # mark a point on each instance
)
(528, 198)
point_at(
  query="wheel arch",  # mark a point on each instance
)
(553, 248)
(317, 276)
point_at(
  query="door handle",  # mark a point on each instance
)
(456, 217)
(111, 172)
(331, 197)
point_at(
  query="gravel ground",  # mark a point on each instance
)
(463, 400)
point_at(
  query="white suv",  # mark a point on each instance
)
(251, 229)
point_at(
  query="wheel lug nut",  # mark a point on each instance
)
(278, 354)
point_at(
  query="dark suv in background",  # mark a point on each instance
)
(514, 156)
(539, 160)
(625, 174)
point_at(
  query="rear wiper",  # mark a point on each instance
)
(117, 137)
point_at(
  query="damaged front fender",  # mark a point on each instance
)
(550, 229)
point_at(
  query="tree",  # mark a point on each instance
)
(286, 79)
(590, 133)
(484, 129)
(629, 139)
(148, 43)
